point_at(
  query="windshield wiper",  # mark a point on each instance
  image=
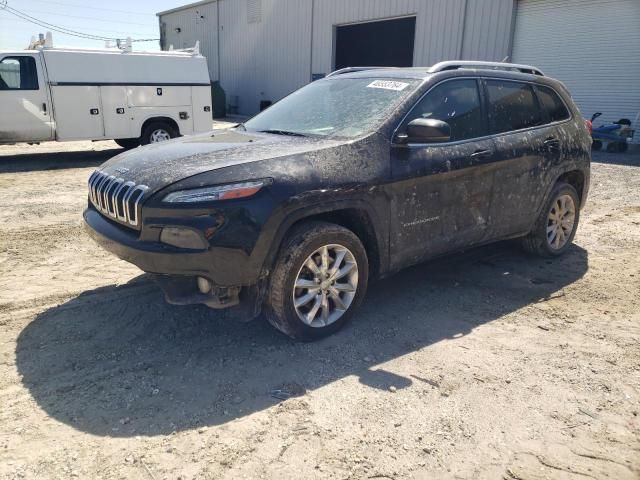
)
(283, 132)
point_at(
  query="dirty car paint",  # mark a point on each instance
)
(409, 202)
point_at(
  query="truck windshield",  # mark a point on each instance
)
(341, 107)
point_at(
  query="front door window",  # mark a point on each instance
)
(456, 102)
(18, 73)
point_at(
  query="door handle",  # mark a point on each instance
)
(481, 154)
(552, 144)
(44, 107)
(94, 111)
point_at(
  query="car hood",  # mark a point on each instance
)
(157, 166)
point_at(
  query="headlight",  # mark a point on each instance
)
(220, 192)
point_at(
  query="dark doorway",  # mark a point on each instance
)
(382, 43)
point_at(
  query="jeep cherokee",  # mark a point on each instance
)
(351, 177)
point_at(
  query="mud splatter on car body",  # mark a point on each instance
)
(407, 202)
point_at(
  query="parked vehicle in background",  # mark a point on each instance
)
(352, 177)
(616, 135)
(74, 94)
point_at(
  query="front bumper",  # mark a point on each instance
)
(176, 269)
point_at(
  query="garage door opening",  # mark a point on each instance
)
(382, 43)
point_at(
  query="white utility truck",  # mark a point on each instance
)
(76, 94)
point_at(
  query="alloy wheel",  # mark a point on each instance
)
(560, 221)
(325, 285)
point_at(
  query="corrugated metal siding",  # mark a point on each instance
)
(487, 30)
(439, 27)
(593, 46)
(267, 59)
(196, 23)
(329, 13)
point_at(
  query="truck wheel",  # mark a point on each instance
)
(128, 143)
(319, 279)
(554, 230)
(157, 132)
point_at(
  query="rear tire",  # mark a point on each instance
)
(157, 132)
(613, 147)
(128, 143)
(311, 310)
(596, 145)
(556, 226)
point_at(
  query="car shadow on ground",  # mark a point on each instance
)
(629, 159)
(118, 361)
(29, 162)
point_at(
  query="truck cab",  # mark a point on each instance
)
(24, 98)
(78, 94)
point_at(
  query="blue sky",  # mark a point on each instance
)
(115, 18)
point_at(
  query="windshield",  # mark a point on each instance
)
(343, 107)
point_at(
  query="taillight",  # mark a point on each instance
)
(589, 126)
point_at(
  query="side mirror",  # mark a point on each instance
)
(426, 130)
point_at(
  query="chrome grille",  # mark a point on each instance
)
(116, 198)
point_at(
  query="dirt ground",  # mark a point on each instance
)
(491, 364)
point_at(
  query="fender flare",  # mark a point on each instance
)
(290, 217)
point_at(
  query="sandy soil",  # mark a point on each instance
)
(491, 364)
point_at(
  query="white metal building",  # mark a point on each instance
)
(591, 45)
(261, 50)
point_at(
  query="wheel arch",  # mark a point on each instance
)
(576, 179)
(170, 121)
(359, 222)
(357, 217)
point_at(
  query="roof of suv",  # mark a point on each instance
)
(390, 72)
(425, 72)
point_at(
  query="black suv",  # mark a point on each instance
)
(352, 177)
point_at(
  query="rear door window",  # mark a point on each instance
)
(456, 102)
(552, 104)
(512, 106)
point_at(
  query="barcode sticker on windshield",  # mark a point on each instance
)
(388, 85)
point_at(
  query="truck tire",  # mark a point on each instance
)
(319, 279)
(556, 226)
(128, 143)
(157, 132)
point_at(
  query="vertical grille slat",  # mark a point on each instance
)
(92, 179)
(116, 198)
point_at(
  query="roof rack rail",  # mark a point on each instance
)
(353, 69)
(456, 64)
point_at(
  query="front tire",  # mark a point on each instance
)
(319, 279)
(556, 227)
